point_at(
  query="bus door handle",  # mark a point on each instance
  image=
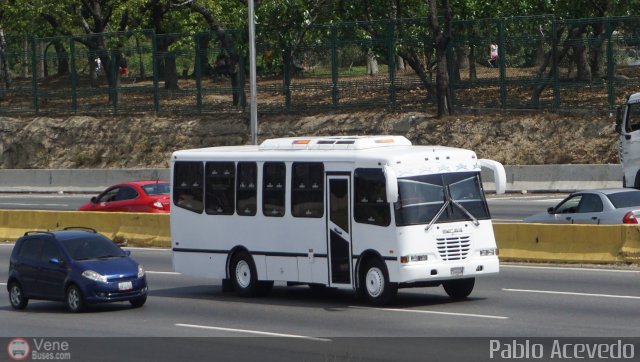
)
(337, 231)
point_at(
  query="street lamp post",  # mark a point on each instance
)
(252, 75)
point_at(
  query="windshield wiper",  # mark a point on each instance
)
(473, 219)
(435, 218)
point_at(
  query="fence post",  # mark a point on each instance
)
(334, 67)
(34, 76)
(391, 55)
(554, 64)
(501, 61)
(154, 64)
(243, 98)
(452, 64)
(286, 82)
(611, 96)
(198, 73)
(113, 89)
(74, 76)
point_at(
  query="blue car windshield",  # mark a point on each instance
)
(92, 248)
(422, 199)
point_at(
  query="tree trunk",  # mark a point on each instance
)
(140, 59)
(6, 76)
(597, 51)
(580, 54)
(372, 65)
(25, 58)
(400, 66)
(473, 75)
(62, 56)
(442, 38)
(170, 72)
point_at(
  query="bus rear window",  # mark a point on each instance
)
(188, 185)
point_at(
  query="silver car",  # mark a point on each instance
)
(604, 206)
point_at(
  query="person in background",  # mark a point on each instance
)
(122, 66)
(493, 54)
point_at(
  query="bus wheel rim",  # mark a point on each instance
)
(243, 274)
(375, 282)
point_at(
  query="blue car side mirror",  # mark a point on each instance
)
(550, 210)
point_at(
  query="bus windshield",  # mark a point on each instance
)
(440, 198)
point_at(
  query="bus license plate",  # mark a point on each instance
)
(125, 286)
(457, 271)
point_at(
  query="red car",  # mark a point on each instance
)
(136, 196)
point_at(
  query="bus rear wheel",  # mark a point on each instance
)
(243, 275)
(374, 283)
(459, 288)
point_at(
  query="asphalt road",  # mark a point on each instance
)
(504, 208)
(522, 301)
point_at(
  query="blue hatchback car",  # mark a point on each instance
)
(76, 265)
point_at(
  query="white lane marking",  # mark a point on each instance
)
(248, 331)
(161, 272)
(572, 293)
(145, 248)
(568, 268)
(3, 283)
(432, 312)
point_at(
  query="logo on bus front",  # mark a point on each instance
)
(452, 230)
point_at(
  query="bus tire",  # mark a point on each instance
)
(459, 288)
(374, 283)
(243, 275)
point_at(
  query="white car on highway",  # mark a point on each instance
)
(603, 206)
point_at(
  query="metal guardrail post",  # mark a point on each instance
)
(334, 67)
(502, 62)
(286, 82)
(391, 54)
(74, 76)
(154, 62)
(611, 90)
(198, 73)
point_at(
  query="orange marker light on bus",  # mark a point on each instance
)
(301, 142)
(385, 140)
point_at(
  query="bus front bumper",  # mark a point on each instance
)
(437, 271)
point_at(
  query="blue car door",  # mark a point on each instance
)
(26, 266)
(52, 270)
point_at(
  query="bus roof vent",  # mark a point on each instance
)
(334, 143)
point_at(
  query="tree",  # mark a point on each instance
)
(442, 38)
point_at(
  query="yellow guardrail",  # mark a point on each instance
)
(135, 228)
(568, 243)
(517, 241)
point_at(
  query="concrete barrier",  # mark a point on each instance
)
(536, 178)
(516, 241)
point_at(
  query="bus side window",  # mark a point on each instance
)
(246, 188)
(220, 188)
(187, 185)
(370, 203)
(307, 189)
(273, 188)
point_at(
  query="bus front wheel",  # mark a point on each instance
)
(243, 275)
(459, 288)
(374, 283)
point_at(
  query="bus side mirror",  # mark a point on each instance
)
(391, 184)
(619, 115)
(499, 175)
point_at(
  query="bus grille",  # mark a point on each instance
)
(454, 248)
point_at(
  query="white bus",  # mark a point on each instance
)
(369, 213)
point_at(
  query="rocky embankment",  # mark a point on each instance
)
(140, 142)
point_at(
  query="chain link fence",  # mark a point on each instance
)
(536, 63)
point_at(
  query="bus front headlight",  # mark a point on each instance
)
(489, 252)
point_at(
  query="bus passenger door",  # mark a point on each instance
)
(338, 229)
